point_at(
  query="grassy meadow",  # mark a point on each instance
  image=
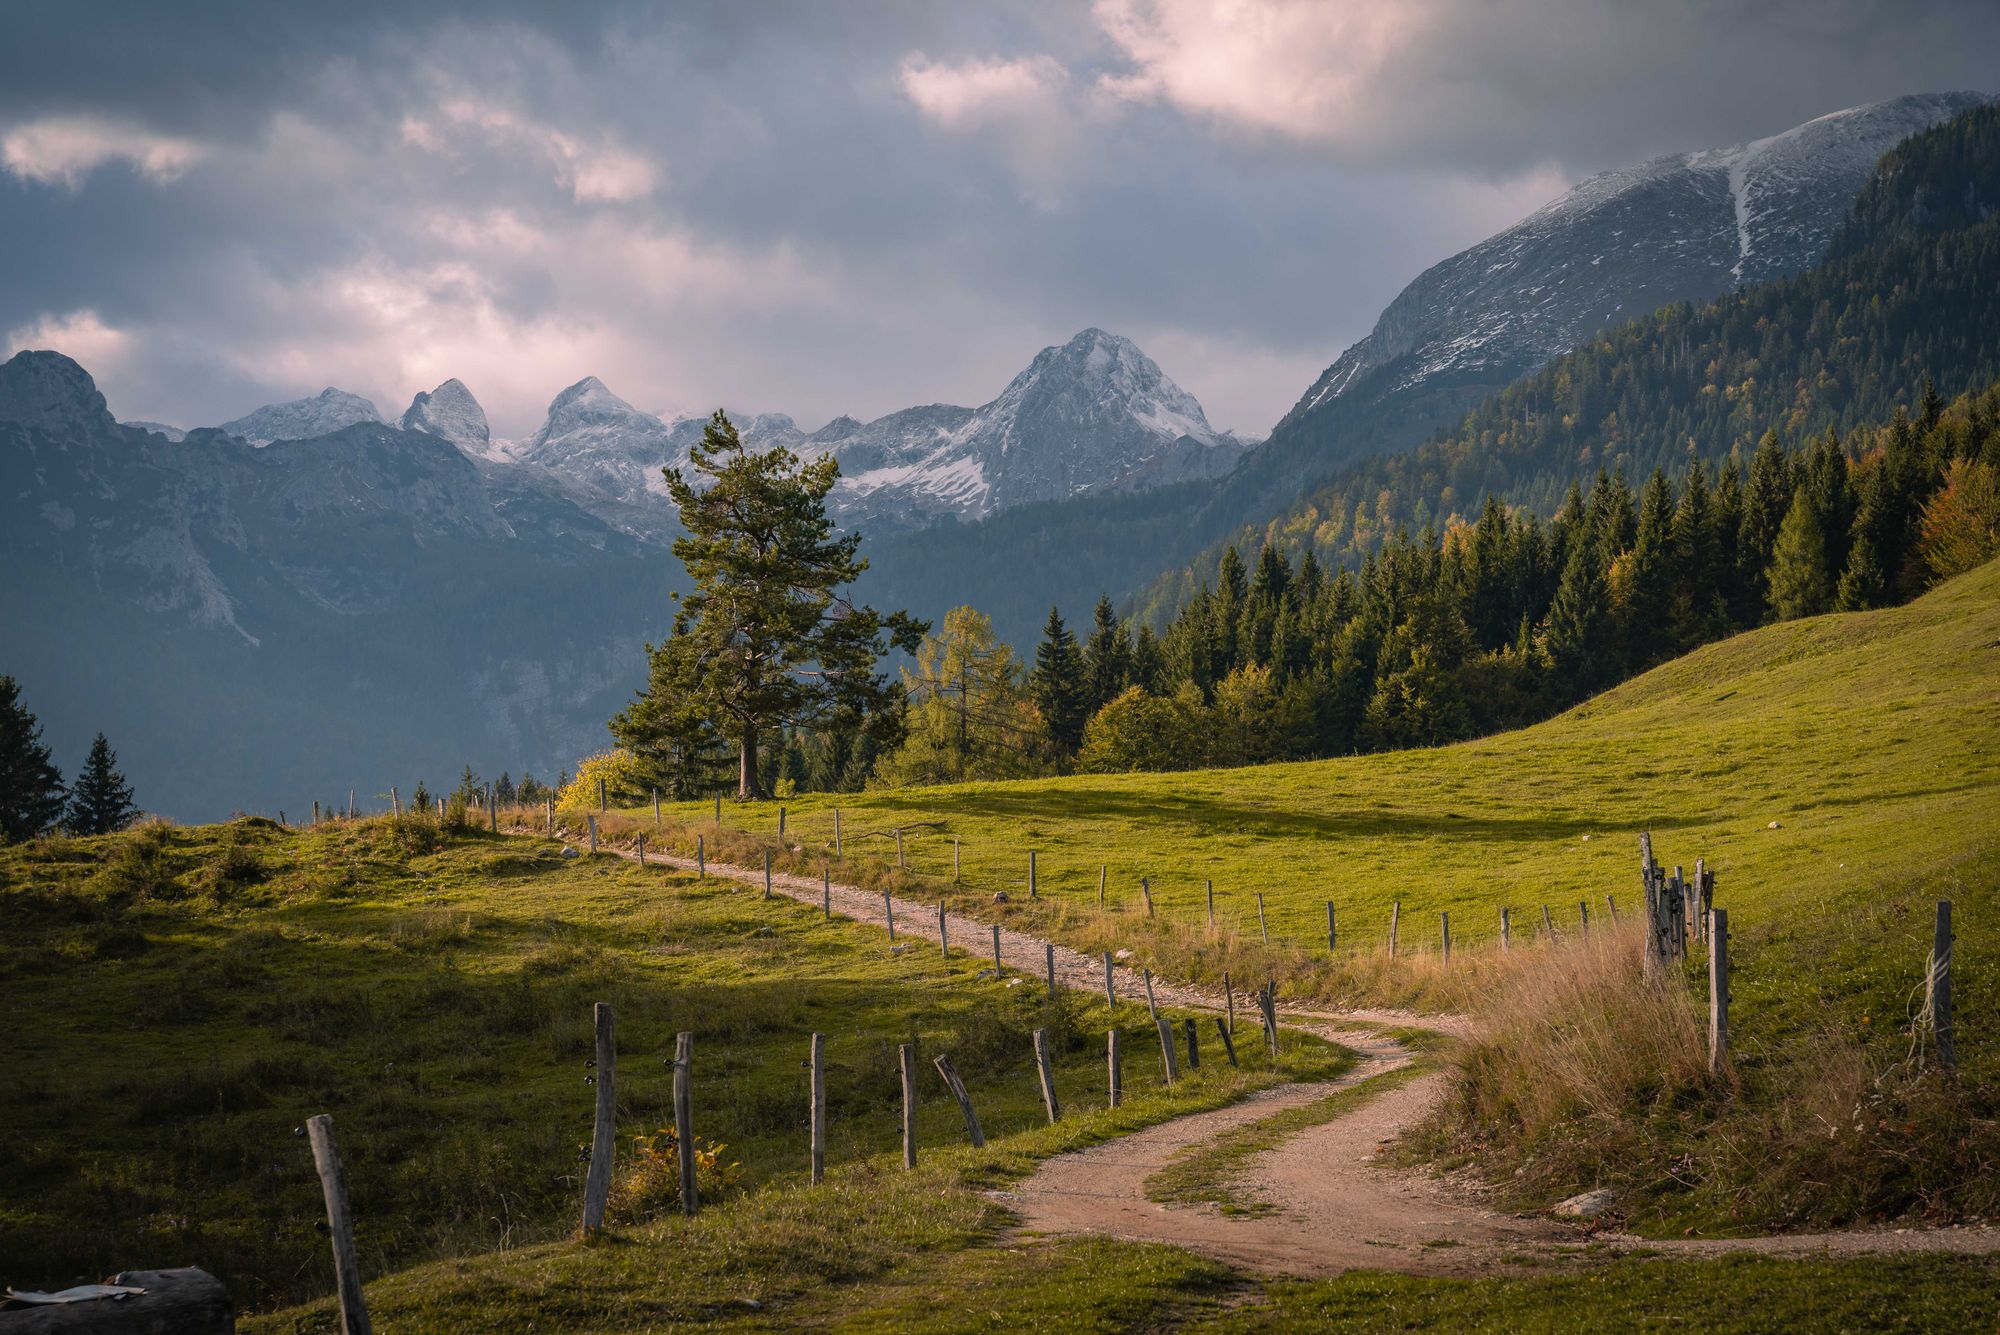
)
(181, 1000)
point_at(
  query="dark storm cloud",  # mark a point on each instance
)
(819, 208)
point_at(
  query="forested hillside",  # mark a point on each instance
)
(1910, 289)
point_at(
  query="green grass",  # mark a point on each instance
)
(180, 1001)
(1208, 1173)
(1734, 1296)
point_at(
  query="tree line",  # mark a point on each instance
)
(34, 800)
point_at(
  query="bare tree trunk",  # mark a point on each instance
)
(746, 779)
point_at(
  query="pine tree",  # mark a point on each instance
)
(31, 789)
(1107, 659)
(1058, 688)
(100, 801)
(1765, 501)
(420, 797)
(770, 639)
(1800, 583)
(1578, 627)
(1647, 634)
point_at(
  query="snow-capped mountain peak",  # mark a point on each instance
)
(302, 419)
(450, 411)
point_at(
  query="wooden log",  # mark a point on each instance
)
(1110, 991)
(1332, 939)
(1506, 930)
(1444, 926)
(1151, 1009)
(818, 1148)
(1169, 1068)
(1937, 988)
(957, 1086)
(1115, 1075)
(1046, 1070)
(591, 821)
(174, 1302)
(1049, 961)
(944, 939)
(700, 858)
(604, 1128)
(1031, 873)
(1228, 1042)
(906, 1062)
(1146, 892)
(996, 950)
(1262, 926)
(889, 915)
(767, 873)
(1193, 1045)
(684, 1119)
(340, 1226)
(1718, 991)
(1395, 918)
(826, 891)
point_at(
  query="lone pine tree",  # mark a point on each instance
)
(768, 640)
(1058, 686)
(100, 801)
(31, 789)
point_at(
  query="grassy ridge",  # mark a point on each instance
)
(179, 1001)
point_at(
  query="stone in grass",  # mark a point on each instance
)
(1586, 1205)
(569, 852)
(1774, 825)
(984, 974)
(1000, 897)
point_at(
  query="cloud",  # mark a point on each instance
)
(974, 93)
(80, 334)
(63, 150)
(595, 170)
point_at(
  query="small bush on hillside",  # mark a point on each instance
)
(649, 1185)
(140, 866)
(413, 834)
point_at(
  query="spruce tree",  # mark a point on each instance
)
(1058, 688)
(100, 801)
(1800, 584)
(31, 789)
(1579, 627)
(1107, 659)
(1765, 500)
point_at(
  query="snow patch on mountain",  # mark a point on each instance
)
(450, 412)
(302, 419)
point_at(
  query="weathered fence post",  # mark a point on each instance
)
(1048, 1075)
(1049, 960)
(315, 811)
(900, 864)
(656, 808)
(1229, 1000)
(718, 810)
(1270, 1006)
(1611, 903)
(1031, 873)
(642, 850)
(906, 1061)
(1261, 925)
(1444, 926)
(350, 803)
(1506, 930)
(684, 1118)
(1583, 916)
(1110, 992)
(1228, 1043)
(818, 1107)
(836, 831)
(944, 941)
(552, 816)
(1194, 1045)
(603, 802)
(700, 858)
(1146, 893)
(956, 878)
(395, 800)
(1395, 918)
(1168, 1066)
(1115, 1077)
(767, 873)
(781, 824)
(1103, 874)
(889, 915)
(950, 1074)
(1209, 886)
(591, 821)
(1937, 989)
(1718, 991)
(1548, 925)
(339, 1224)
(1151, 1009)
(996, 950)
(492, 811)
(604, 1129)
(826, 890)
(1332, 940)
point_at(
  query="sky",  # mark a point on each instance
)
(820, 208)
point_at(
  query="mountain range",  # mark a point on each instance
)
(328, 600)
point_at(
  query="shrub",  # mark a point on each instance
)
(650, 1183)
(627, 781)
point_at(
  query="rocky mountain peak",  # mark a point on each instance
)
(48, 390)
(450, 412)
(303, 419)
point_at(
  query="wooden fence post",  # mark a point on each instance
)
(1168, 1066)
(1506, 930)
(1031, 873)
(1583, 916)
(656, 808)
(1261, 926)
(1110, 993)
(1146, 893)
(1116, 1077)
(956, 878)
(836, 831)
(906, 1060)
(315, 811)
(642, 850)
(1228, 1043)
(395, 801)
(1937, 988)
(718, 810)
(350, 804)
(767, 873)
(1548, 924)
(604, 1129)
(1395, 917)
(1048, 1075)
(340, 1224)
(781, 824)
(1718, 991)
(818, 1107)
(492, 811)
(1229, 1000)
(1331, 938)
(1270, 1004)
(1151, 1009)
(889, 915)
(1611, 903)
(700, 858)
(950, 1074)
(603, 803)
(1209, 886)
(996, 950)
(684, 1119)
(944, 941)
(826, 890)
(552, 816)
(1194, 1045)
(591, 821)
(900, 864)
(1444, 925)
(1049, 959)
(1103, 874)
